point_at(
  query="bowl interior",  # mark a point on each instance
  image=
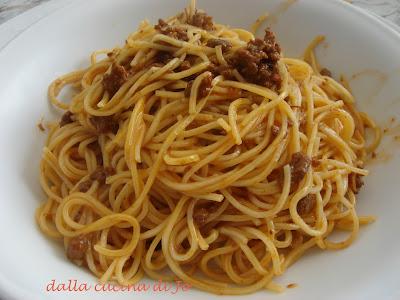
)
(357, 46)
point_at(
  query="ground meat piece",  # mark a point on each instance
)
(233, 93)
(225, 45)
(306, 205)
(257, 62)
(163, 57)
(280, 236)
(171, 31)
(115, 79)
(85, 186)
(188, 63)
(78, 246)
(249, 143)
(212, 208)
(192, 59)
(226, 71)
(188, 88)
(185, 65)
(326, 72)
(104, 124)
(355, 182)
(66, 118)
(204, 88)
(359, 183)
(213, 68)
(315, 162)
(41, 126)
(202, 20)
(275, 130)
(276, 175)
(299, 166)
(101, 174)
(74, 154)
(274, 48)
(200, 216)
(297, 239)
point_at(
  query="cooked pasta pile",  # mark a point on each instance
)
(199, 152)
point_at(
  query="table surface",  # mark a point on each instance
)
(388, 9)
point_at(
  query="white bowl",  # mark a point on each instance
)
(356, 44)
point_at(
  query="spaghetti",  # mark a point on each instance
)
(198, 152)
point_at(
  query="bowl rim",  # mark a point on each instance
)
(8, 289)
